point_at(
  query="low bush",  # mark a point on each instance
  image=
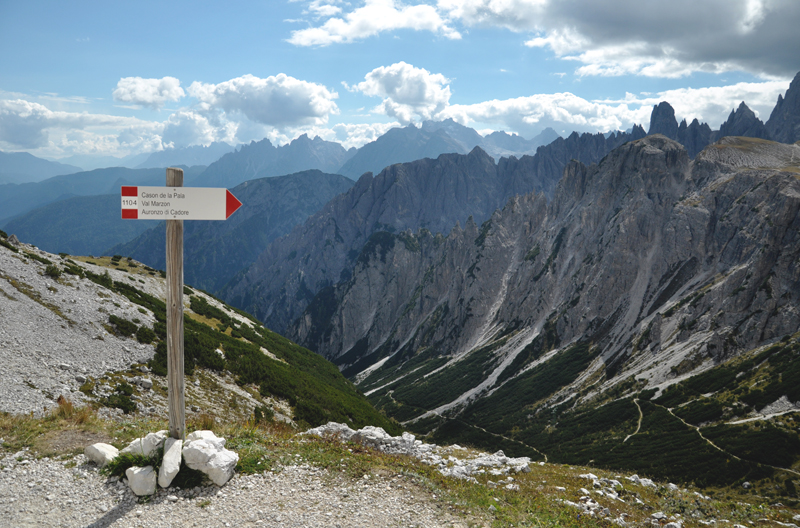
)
(122, 326)
(144, 335)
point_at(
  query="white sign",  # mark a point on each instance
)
(177, 203)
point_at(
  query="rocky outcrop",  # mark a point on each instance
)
(205, 452)
(101, 454)
(645, 243)
(694, 137)
(662, 121)
(146, 445)
(171, 462)
(141, 480)
(743, 122)
(464, 468)
(784, 121)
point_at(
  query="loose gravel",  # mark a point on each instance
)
(48, 492)
(52, 334)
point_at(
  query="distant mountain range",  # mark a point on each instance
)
(80, 225)
(21, 167)
(261, 159)
(16, 199)
(188, 156)
(215, 251)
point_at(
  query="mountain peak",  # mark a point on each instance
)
(784, 123)
(662, 120)
(743, 122)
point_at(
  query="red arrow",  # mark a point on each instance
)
(231, 204)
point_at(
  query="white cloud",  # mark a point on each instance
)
(516, 15)
(530, 115)
(185, 127)
(712, 104)
(28, 125)
(654, 39)
(151, 93)
(277, 101)
(321, 9)
(408, 92)
(373, 18)
(357, 134)
(565, 111)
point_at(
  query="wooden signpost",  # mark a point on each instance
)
(176, 203)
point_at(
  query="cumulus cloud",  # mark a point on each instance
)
(28, 125)
(150, 93)
(408, 92)
(561, 111)
(566, 112)
(657, 39)
(372, 18)
(321, 8)
(712, 104)
(277, 101)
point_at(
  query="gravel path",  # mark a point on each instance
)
(47, 492)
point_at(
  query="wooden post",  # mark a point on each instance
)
(177, 410)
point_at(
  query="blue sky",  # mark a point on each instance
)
(113, 78)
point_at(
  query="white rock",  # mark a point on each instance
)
(145, 446)
(208, 436)
(100, 453)
(590, 476)
(171, 462)
(648, 483)
(147, 383)
(215, 461)
(141, 480)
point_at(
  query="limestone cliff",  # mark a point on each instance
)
(661, 266)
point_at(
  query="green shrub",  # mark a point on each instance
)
(263, 414)
(8, 246)
(123, 461)
(121, 399)
(37, 258)
(145, 335)
(123, 327)
(52, 271)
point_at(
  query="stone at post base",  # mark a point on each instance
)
(145, 446)
(171, 462)
(204, 452)
(100, 453)
(141, 480)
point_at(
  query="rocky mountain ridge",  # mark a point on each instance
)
(431, 194)
(262, 159)
(643, 272)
